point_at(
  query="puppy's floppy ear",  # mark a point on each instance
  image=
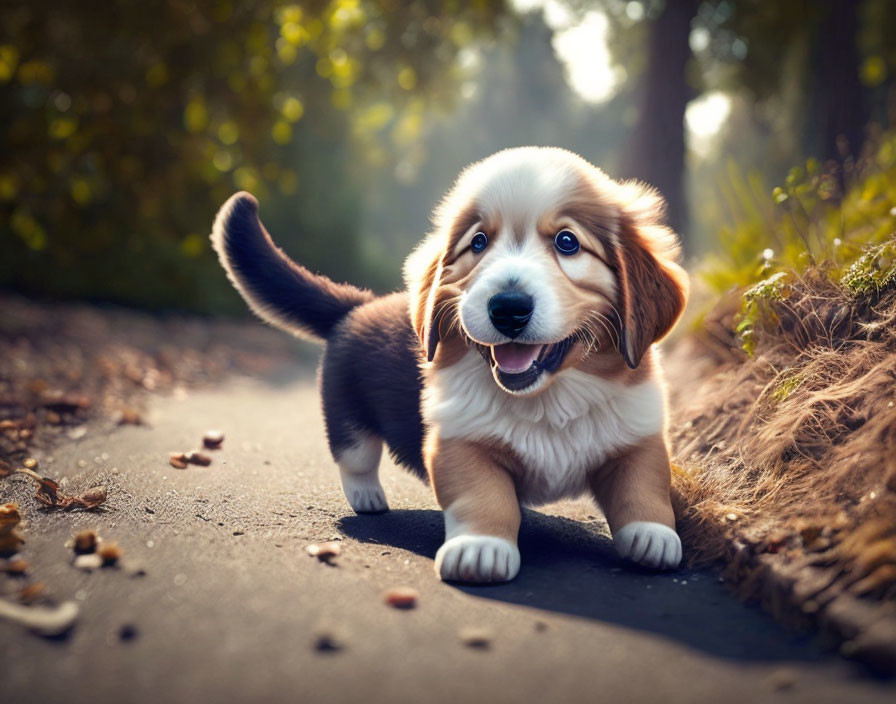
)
(652, 288)
(422, 273)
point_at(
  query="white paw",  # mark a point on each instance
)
(649, 544)
(477, 558)
(364, 495)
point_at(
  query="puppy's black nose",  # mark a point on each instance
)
(510, 312)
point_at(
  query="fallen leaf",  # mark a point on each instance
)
(9, 518)
(49, 495)
(32, 592)
(15, 566)
(9, 543)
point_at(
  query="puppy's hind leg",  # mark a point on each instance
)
(359, 470)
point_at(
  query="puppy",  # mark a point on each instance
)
(517, 368)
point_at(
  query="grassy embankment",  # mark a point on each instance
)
(785, 430)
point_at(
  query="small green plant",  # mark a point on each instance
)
(873, 272)
(758, 307)
(840, 224)
(818, 216)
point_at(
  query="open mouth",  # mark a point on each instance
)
(518, 365)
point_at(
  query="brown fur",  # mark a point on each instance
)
(635, 485)
(470, 479)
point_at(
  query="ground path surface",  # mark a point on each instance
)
(230, 607)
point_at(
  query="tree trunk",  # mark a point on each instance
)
(838, 107)
(656, 149)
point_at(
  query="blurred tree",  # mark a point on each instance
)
(514, 94)
(125, 125)
(656, 148)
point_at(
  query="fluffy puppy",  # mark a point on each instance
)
(517, 368)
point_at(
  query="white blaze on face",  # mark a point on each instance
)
(516, 190)
(524, 267)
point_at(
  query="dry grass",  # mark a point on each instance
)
(788, 458)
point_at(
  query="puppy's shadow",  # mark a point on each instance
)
(570, 568)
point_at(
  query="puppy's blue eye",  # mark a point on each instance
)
(479, 242)
(566, 242)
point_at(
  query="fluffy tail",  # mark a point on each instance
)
(276, 288)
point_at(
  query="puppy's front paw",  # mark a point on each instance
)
(649, 544)
(477, 558)
(364, 495)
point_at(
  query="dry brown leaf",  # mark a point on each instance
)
(32, 592)
(49, 495)
(15, 566)
(9, 543)
(9, 518)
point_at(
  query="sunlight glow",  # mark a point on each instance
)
(581, 46)
(704, 118)
(584, 52)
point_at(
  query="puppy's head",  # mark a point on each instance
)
(539, 259)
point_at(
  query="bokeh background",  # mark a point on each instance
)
(124, 126)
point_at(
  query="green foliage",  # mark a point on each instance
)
(123, 126)
(811, 220)
(873, 272)
(758, 307)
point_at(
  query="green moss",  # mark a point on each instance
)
(787, 384)
(873, 272)
(758, 308)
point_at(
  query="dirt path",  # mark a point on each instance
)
(230, 606)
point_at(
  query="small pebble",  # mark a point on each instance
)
(88, 562)
(178, 460)
(324, 551)
(476, 637)
(85, 542)
(110, 554)
(213, 439)
(30, 463)
(326, 642)
(199, 458)
(127, 632)
(402, 597)
(782, 679)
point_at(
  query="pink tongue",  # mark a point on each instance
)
(514, 357)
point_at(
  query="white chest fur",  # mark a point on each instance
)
(559, 435)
